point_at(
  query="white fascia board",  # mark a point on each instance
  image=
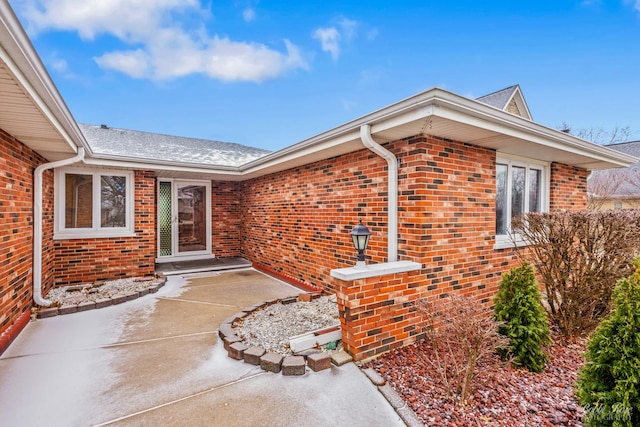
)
(30, 59)
(401, 112)
(418, 113)
(517, 127)
(300, 153)
(120, 162)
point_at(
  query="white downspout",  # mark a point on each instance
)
(37, 223)
(392, 197)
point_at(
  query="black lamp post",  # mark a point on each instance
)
(360, 235)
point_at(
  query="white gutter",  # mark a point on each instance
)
(392, 194)
(37, 223)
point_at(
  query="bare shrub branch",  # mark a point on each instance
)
(603, 186)
(461, 335)
(579, 257)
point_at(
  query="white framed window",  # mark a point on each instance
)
(522, 186)
(93, 203)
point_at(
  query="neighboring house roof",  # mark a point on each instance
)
(32, 109)
(137, 145)
(618, 183)
(510, 100)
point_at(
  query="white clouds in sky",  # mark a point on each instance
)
(249, 14)
(635, 4)
(344, 30)
(329, 39)
(161, 48)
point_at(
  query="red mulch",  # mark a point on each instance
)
(503, 395)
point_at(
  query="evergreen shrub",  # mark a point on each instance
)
(608, 384)
(522, 319)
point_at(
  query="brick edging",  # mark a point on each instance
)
(43, 313)
(7, 337)
(271, 361)
(285, 278)
(405, 412)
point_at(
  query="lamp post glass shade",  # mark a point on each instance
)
(360, 235)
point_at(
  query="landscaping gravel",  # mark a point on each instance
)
(504, 395)
(272, 327)
(76, 294)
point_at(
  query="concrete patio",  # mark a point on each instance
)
(158, 360)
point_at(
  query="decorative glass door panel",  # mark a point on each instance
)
(165, 219)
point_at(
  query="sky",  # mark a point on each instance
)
(269, 74)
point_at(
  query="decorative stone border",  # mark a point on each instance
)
(272, 361)
(405, 412)
(43, 313)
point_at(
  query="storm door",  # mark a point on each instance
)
(184, 219)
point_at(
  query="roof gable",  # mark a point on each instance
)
(510, 100)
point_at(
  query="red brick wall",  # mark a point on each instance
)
(96, 259)
(17, 163)
(226, 218)
(568, 187)
(297, 223)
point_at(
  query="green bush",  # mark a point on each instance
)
(523, 319)
(608, 384)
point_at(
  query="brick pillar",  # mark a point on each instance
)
(379, 314)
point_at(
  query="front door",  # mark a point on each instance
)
(184, 219)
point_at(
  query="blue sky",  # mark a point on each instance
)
(272, 73)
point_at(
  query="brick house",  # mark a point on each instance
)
(616, 188)
(436, 177)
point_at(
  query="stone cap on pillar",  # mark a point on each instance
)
(375, 270)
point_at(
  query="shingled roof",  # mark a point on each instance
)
(133, 144)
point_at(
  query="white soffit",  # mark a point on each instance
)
(467, 121)
(31, 110)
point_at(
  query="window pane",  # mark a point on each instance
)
(113, 197)
(501, 199)
(517, 191)
(78, 201)
(192, 218)
(534, 190)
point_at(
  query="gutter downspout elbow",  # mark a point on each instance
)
(37, 222)
(392, 197)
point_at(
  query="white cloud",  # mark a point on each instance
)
(160, 47)
(343, 31)
(59, 64)
(125, 19)
(349, 27)
(329, 40)
(249, 14)
(135, 63)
